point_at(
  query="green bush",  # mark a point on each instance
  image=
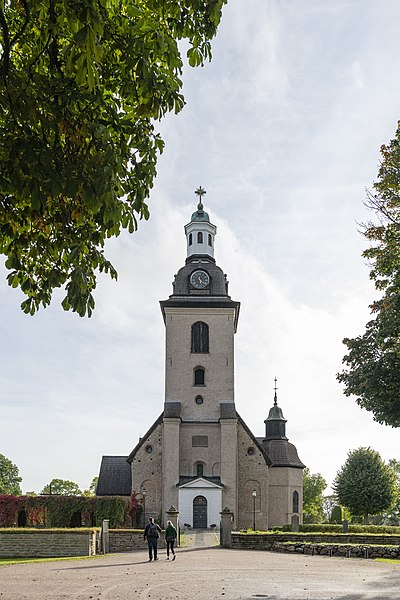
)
(330, 528)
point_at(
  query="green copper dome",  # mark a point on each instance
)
(275, 414)
(200, 214)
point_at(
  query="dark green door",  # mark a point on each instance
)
(200, 513)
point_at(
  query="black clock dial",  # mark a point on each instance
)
(199, 280)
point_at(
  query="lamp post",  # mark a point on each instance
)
(144, 507)
(254, 494)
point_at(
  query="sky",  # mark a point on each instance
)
(283, 130)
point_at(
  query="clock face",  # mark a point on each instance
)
(199, 280)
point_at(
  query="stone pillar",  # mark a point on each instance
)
(229, 463)
(173, 515)
(170, 463)
(105, 536)
(226, 528)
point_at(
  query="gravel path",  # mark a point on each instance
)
(204, 574)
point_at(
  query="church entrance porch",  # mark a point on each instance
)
(200, 502)
(199, 512)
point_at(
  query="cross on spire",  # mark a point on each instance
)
(275, 390)
(200, 192)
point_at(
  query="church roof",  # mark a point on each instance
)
(281, 453)
(200, 214)
(185, 481)
(115, 478)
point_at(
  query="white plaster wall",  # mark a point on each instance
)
(214, 504)
(195, 247)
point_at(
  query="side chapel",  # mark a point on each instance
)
(199, 455)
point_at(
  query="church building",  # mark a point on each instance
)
(199, 455)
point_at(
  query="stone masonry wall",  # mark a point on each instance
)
(252, 474)
(128, 540)
(147, 473)
(368, 546)
(42, 544)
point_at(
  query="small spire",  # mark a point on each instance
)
(200, 192)
(275, 390)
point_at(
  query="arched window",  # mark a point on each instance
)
(190, 239)
(199, 237)
(199, 470)
(209, 239)
(200, 337)
(295, 502)
(199, 376)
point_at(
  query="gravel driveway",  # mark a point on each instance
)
(204, 574)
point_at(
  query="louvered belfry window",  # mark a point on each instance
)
(200, 337)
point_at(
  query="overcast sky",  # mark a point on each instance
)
(283, 129)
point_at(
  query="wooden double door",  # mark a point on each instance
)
(200, 512)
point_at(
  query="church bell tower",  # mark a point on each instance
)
(199, 419)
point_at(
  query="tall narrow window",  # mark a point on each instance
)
(199, 237)
(199, 470)
(295, 502)
(190, 239)
(209, 239)
(199, 337)
(199, 376)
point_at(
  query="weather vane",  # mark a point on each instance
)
(275, 390)
(200, 192)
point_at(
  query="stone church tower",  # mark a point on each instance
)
(199, 455)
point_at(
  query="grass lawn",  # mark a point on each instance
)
(389, 560)
(15, 561)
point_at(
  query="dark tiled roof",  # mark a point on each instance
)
(115, 477)
(281, 453)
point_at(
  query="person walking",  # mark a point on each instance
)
(170, 537)
(151, 534)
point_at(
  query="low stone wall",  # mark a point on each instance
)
(362, 545)
(41, 543)
(127, 540)
(348, 551)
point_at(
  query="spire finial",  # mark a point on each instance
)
(200, 192)
(275, 390)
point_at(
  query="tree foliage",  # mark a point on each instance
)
(365, 484)
(91, 491)
(61, 487)
(9, 477)
(81, 85)
(313, 499)
(373, 360)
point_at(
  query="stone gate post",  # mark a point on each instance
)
(105, 536)
(226, 528)
(173, 515)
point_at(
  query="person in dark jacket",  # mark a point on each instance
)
(170, 538)
(151, 534)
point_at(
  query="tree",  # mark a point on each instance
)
(373, 360)
(62, 487)
(9, 477)
(82, 83)
(313, 500)
(365, 485)
(92, 488)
